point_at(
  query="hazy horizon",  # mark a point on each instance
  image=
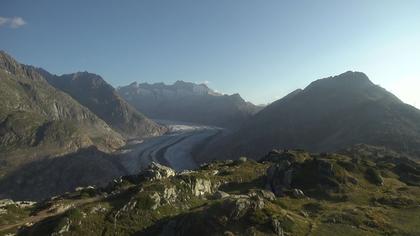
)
(261, 50)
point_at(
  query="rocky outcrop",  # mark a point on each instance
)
(284, 177)
(279, 177)
(276, 225)
(198, 186)
(156, 171)
(234, 202)
(279, 156)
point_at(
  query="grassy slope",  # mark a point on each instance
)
(364, 208)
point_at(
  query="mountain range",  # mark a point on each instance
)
(45, 116)
(37, 120)
(93, 92)
(56, 132)
(188, 102)
(67, 142)
(328, 115)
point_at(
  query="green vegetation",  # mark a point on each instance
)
(341, 198)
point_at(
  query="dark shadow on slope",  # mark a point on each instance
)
(52, 176)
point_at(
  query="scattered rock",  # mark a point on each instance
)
(97, 209)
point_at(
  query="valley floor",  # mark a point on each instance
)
(173, 149)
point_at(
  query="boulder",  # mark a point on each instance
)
(220, 195)
(241, 160)
(6, 202)
(297, 193)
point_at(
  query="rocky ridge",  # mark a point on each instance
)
(188, 102)
(101, 98)
(37, 120)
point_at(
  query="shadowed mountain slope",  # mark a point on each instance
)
(37, 120)
(329, 114)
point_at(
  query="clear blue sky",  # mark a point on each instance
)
(260, 49)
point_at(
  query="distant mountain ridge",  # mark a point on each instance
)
(330, 114)
(190, 102)
(95, 93)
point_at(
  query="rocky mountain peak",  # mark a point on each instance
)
(349, 80)
(8, 63)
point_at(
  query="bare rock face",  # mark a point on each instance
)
(198, 186)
